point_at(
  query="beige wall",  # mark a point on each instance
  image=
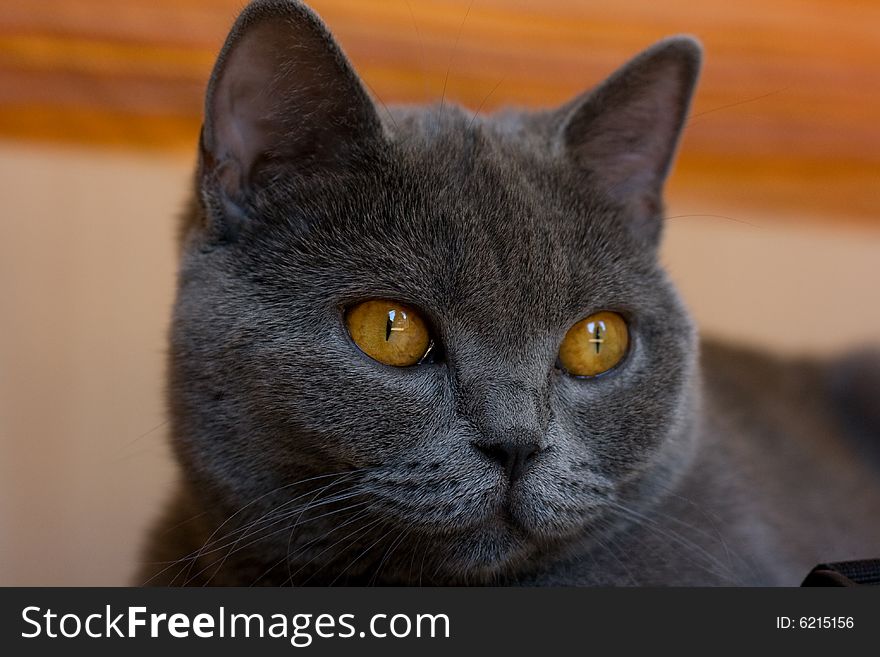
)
(86, 280)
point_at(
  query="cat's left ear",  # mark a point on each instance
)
(622, 136)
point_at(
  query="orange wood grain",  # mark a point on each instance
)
(786, 117)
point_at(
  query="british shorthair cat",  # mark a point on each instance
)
(419, 345)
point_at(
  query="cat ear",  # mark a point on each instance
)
(622, 136)
(281, 90)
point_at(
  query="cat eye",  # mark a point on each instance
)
(389, 332)
(594, 345)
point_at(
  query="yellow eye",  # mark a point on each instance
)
(389, 332)
(594, 345)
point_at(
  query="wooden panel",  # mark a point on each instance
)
(786, 118)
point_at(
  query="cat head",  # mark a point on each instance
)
(491, 237)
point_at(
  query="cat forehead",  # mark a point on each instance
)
(453, 142)
(496, 184)
(464, 212)
(466, 190)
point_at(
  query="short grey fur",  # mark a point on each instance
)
(303, 461)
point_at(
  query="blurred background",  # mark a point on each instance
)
(773, 235)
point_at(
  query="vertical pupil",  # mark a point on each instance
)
(597, 333)
(389, 324)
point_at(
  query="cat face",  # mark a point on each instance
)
(500, 234)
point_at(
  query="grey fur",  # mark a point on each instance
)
(306, 462)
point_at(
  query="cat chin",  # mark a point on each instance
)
(502, 545)
(481, 556)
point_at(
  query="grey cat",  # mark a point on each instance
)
(489, 461)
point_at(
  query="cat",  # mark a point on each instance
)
(487, 442)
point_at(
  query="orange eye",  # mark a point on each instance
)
(594, 345)
(389, 332)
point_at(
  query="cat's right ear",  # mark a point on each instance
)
(282, 92)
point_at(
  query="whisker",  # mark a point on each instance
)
(258, 535)
(199, 552)
(381, 102)
(277, 490)
(354, 533)
(613, 552)
(451, 56)
(394, 545)
(234, 548)
(304, 547)
(735, 104)
(421, 47)
(358, 557)
(715, 566)
(257, 499)
(293, 529)
(357, 517)
(713, 216)
(483, 102)
(412, 560)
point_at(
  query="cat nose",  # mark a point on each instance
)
(514, 457)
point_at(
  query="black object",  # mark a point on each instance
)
(845, 573)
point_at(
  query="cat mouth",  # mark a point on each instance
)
(502, 542)
(514, 514)
(510, 513)
(528, 517)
